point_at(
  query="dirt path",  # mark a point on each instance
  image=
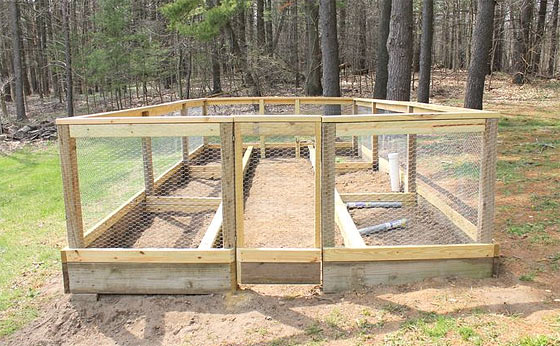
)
(279, 209)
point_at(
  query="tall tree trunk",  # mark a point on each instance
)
(521, 47)
(342, 31)
(68, 59)
(554, 40)
(295, 40)
(17, 60)
(268, 27)
(482, 42)
(539, 34)
(426, 51)
(498, 40)
(399, 46)
(216, 72)
(313, 85)
(260, 25)
(381, 72)
(329, 43)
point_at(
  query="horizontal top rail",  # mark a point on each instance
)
(156, 114)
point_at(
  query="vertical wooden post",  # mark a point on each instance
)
(410, 183)
(487, 182)
(374, 144)
(328, 138)
(238, 151)
(185, 140)
(318, 192)
(239, 199)
(262, 138)
(354, 138)
(204, 111)
(71, 187)
(228, 184)
(297, 109)
(148, 163)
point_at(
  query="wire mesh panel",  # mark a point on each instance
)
(424, 192)
(279, 191)
(151, 192)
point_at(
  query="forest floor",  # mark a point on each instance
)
(519, 307)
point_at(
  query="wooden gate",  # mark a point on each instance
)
(274, 156)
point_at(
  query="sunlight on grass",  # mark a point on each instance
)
(32, 230)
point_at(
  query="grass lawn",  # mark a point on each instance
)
(32, 230)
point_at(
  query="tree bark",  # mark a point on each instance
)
(260, 24)
(329, 43)
(381, 73)
(399, 46)
(482, 42)
(313, 85)
(426, 51)
(554, 40)
(498, 40)
(539, 34)
(68, 60)
(268, 27)
(17, 60)
(521, 46)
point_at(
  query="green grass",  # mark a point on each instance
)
(528, 277)
(538, 340)
(32, 230)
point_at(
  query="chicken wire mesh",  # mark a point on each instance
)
(447, 168)
(164, 191)
(279, 192)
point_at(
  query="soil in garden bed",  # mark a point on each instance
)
(363, 181)
(140, 229)
(279, 205)
(425, 225)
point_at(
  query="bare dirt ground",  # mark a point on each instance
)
(519, 307)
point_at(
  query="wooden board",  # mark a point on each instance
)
(352, 166)
(280, 273)
(410, 252)
(182, 200)
(289, 255)
(277, 129)
(144, 130)
(409, 127)
(171, 255)
(454, 216)
(149, 278)
(406, 198)
(346, 225)
(213, 230)
(342, 276)
(205, 171)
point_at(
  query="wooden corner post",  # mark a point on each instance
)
(328, 138)
(71, 187)
(487, 182)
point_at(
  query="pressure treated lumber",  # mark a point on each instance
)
(343, 276)
(170, 255)
(71, 187)
(410, 252)
(280, 273)
(406, 198)
(295, 255)
(144, 130)
(149, 278)
(346, 225)
(409, 127)
(485, 223)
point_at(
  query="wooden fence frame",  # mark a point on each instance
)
(208, 269)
